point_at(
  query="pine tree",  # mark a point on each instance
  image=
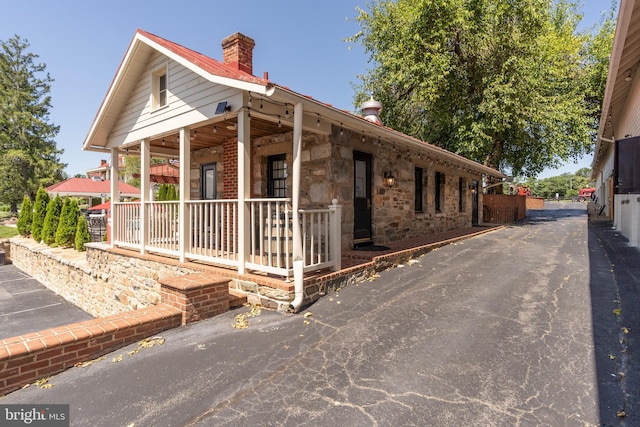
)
(29, 157)
(66, 232)
(171, 192)
(25, 217)
(82, 233)
(51, 220)
(39, 214)
(162, 193)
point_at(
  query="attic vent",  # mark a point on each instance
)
(371, 111)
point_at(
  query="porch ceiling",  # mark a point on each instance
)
(216, 133)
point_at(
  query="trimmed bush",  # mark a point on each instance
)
(51, 220)
(171, 193)
(82, 233)
(166, 192)
(162, 193)
(25, 217)
(66, 232)
(39, 214)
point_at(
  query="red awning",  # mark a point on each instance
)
(106, 206)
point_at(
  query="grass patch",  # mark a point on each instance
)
(6, 232)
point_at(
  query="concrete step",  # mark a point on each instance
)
(236, 298)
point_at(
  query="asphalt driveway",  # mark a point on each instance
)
(27, 306)
(514, 327)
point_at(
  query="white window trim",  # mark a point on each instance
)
(159, 71)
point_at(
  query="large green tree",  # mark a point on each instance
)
(29, 157)
(512, 84)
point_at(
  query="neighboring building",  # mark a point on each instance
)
(101, 173)
(616, 162)
(270, 180)
(91, 189)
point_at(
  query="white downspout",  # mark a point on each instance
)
(298, 260)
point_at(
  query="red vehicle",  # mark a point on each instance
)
(585, 193)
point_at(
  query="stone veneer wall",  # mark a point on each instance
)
(101, 283)
(327, 165)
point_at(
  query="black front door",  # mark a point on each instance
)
(361, 197)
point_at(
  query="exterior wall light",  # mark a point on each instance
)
(389, 179)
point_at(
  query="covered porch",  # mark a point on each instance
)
(224, 226)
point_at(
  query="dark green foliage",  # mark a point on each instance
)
(515, 85)
(25, 217)
(162, 193)
(66, 232)
(167, 192)
(82, 233)
(39, 214)
(29, 157)
(51, 220)
(171, 193)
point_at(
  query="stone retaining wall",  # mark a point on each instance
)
(100, 282)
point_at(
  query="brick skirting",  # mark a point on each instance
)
(198, 296)
(26, 358)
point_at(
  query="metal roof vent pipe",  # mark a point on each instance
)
(371, 111)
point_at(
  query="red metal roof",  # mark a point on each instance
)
(88, 187)
(204, 62)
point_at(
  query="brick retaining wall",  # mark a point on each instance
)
(25, 359)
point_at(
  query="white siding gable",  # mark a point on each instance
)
(191, 99)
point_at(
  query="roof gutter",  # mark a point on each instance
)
(622, 27)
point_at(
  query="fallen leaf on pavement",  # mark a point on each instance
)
(89, 362)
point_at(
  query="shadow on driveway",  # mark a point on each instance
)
(615, 307)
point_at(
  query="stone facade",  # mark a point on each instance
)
(328, 171)
(327, 165)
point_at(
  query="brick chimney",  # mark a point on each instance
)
(237, 51)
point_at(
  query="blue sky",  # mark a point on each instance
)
(300, 43)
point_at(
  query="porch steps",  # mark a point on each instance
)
(236, 299)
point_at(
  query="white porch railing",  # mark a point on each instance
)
(163, 227)
(213, 233)
(125, 228)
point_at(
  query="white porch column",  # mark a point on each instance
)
(244, 190)
(145, 159)
(298, 256)
(185, 190)
(115, 195)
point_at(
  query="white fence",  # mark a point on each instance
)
(213, 230)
